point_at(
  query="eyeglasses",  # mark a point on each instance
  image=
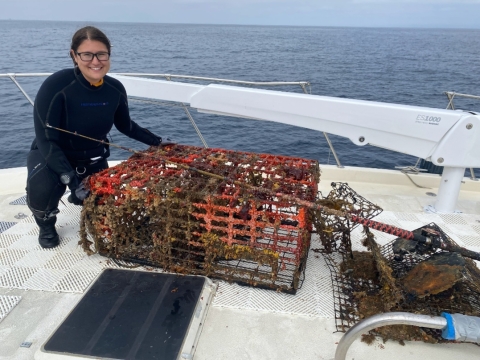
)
(88, 56)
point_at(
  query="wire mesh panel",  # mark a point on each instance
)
(226, 214)
(427, 279)
(334, 230)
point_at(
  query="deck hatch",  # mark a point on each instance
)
(130, 315)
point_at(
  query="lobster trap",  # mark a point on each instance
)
(403, 275)
(219, 213)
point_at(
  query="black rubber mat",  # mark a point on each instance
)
(130, 315)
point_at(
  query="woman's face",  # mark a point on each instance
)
(93, 70)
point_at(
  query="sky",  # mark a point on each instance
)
(354, 13)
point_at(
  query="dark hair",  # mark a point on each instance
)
(88, 33)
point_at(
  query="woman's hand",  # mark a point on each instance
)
(79, 194)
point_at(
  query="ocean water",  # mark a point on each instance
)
(405, 66)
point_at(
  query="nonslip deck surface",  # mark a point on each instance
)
(130, 315)
(68, 269)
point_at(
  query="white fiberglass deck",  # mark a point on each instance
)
(39, 287)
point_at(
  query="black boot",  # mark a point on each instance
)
(48, 237)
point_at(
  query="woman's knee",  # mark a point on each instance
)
(44, 189)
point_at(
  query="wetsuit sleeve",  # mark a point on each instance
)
(48, 109)
(129, 127)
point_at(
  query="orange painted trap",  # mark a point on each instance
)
(220, 213)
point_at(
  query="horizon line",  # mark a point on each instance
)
(238, 24)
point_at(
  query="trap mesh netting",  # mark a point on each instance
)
(224, 214)
(405, 276)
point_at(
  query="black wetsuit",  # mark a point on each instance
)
(66, 100)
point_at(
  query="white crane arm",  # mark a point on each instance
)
(446, 137)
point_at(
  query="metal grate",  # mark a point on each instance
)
(15, 277)
(7, 303)
(453, 219)
(23, 200)
(406, 217)
(342, 292)
(67, 268)
(11, 256)
(470, 240)
(20, 201)
(312, 299)
(43, 279)
(70, 269)
(6, 240)
(5, 225)
(75, 281)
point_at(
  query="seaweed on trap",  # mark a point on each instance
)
(403, 276)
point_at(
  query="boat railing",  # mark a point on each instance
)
(305, 85)
(452, 94)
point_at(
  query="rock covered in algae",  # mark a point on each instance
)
(445, 281)
(436, 274)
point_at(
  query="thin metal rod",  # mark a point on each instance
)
(213, 175)
(453, 93)
(260, 83)
(199, 133)
(472, 175)
(12, 77)
(185, 108)
(304, 87)
(339, 164)
(195, 126)
(156, 102)
(169, 76)
(332, 149)
(450, 96)
(190, 117)
(25, 74)
(393, 318)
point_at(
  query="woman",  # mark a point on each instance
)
(86, 101)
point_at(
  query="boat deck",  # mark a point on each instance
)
(38, 288)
